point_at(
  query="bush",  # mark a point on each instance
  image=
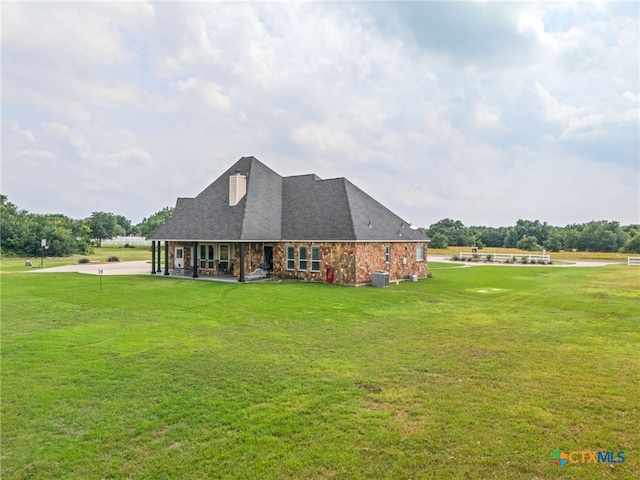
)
(489, 258)
(128, 245)
(113, 258)
(83, 260)
(455, 258)
(524, 260)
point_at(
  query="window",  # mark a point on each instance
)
(420, 253)
(291, 261)
(224, 257)
(211, 257)
(315, 259)
(203, 256)
(387, 254)
(302, 258)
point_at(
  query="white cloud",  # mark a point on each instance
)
(434, 110)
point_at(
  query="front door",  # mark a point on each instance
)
(178, 259)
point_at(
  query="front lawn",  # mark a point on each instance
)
(474, 373)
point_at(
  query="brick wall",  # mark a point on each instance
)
(370, 257)
(339, 255)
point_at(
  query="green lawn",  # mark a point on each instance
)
(474, 373)
(17, 264)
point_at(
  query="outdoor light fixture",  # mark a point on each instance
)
(370, 226)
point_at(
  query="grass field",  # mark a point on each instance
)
(474, 373)
(17, 264)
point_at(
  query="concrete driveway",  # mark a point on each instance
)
(138, 267)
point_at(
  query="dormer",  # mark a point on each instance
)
(237, 188)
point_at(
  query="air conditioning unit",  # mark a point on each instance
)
(380, 279)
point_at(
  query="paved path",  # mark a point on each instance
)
(139, 267)
(570, 263)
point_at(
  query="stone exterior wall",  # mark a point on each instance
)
(354, 263)
(339, 255)
(370, 257)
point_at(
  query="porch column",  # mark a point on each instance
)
(159, 264)
(166, 257)
(153, 257)
(241, 279)
(195, 259)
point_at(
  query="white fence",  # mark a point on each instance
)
(505, 257)
(633, 261)
(126, 240)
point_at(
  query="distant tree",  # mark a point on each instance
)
(528, 242)
(491, 236)
(149, 225)
(511, 238)
(555, 241)
(126, 225)
(12, 225)
(454, 230)
(633, 244)
(103, 225)
(439, 240)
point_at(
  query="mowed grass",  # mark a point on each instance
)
(99, 255)
(474, 373)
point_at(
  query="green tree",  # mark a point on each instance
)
(149, 225)
(12, 225)
(528, 242)
(103, 225)
(633, 244)
(454, 230)
(439, 240)
(555, 241)
(126, 225)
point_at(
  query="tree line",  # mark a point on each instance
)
(23, 231)
(531, 235)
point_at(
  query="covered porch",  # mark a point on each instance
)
(230, 261)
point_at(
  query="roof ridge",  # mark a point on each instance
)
(349, 204)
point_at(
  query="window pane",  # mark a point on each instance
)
(211, 253)
(315, 259)
(291, 262)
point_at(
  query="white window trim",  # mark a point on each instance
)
(387, 254)
(305, 259)
(292, 258)
(421, 257)
(318, 260)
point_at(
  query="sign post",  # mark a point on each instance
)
(43, 245)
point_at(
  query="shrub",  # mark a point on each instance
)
(524, 260)
(455, 258)
(489, 258)
(113, 258)
(83, 260)
(128, 245)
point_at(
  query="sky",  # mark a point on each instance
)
(484, 112)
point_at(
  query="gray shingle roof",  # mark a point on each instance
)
(274, 208)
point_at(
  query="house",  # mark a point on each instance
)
(302, 227)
